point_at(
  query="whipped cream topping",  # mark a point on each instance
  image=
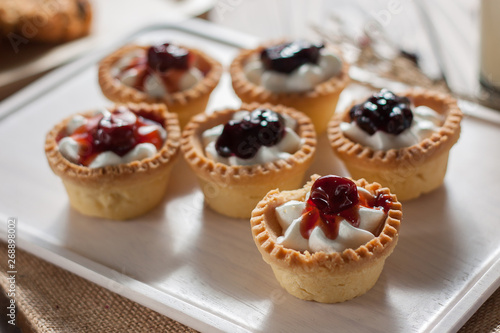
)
(288, 145)
(425, 122)
(130, 68)
(289, 216)
(70, 148)
(303, 78)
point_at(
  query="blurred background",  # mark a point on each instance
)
(441, 38)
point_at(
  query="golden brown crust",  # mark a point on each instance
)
(46, 20)
(249, 91)
(266, 229)
(416, 155)
(239, 175)
(118, 92)
(130, 172)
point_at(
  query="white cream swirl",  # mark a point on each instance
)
(289, 216)
(425, 122)
(287, 146)
(303, 78)
(153, 84)
(70, 148)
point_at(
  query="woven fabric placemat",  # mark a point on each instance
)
(55, 300)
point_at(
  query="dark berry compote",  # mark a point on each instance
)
(384, 111)
(287, 57)
(332, 199)
(243, 138)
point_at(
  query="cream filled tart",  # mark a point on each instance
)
(304, 75)
(329, 240)
(115, 162)
(240, 154)
(180, 77)
(401, 141)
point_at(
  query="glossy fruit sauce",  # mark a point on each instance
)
(333, 199)
(119, 132)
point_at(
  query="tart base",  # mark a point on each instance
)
(186, 111)
(118, 202)
(184, 103)
(122, 191)
(238, 201)
(320, 276)
(318, 104)
(327, 286)
(235, 190)
(407, 181)
(411, 171)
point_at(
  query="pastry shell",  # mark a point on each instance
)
(184, 103)
(320, 276)
(318, 104)
(121, 191)
(235, 190)
(410, 171)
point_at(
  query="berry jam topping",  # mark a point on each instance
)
(332, 199)
(117, 131)
(261, 127)
(285, 58)
(167, 56)
(383, 111)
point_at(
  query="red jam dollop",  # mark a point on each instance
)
(333, 198)
(168, 56)
(261, 127)
(168, 61)
(118, 132)
(287, 57)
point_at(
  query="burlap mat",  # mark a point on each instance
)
(55, 300)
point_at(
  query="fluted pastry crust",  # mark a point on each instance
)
(185, 103)
(318, 104)
(121, 191)
(250, 182)
(410, 171)
(320, 276)
(122, 172)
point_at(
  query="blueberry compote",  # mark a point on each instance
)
(117, 132)
(383, 111)
(261, 127)
(287, 57)
(333, 199)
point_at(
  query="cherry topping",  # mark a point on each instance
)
(261, 127)
(333, 198)
(116, 132)
(332, 194)
(168, 56)
(287, 57)
(383, 111)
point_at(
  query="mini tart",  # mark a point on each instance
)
(122, 191)
(185, 103)
(318, 104)
(410, 171)
(320, 276)
(235, 190)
